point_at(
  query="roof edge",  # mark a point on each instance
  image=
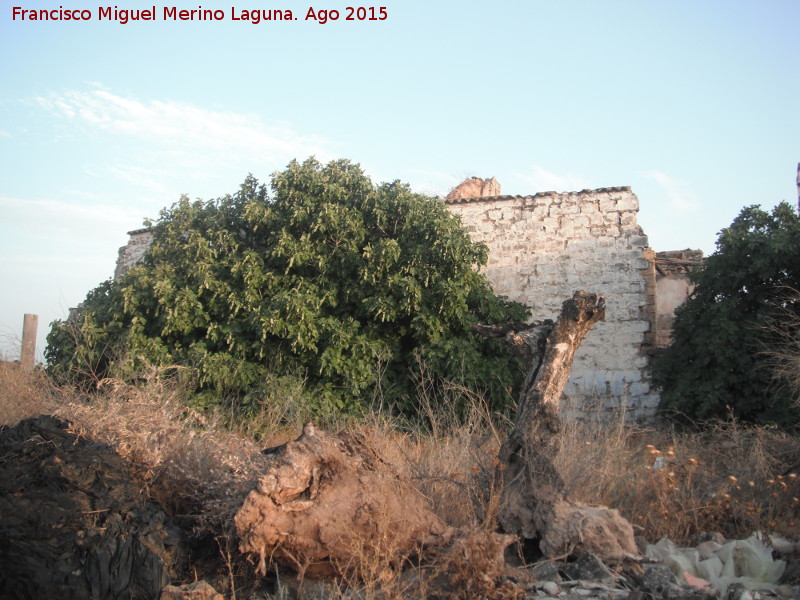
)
(622, 188)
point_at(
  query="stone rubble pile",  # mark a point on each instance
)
(735, 570)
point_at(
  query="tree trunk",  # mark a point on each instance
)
(534, 506)
(527, 455)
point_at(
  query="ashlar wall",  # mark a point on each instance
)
(544, 247)
(131, 253)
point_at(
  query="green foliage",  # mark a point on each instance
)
(333, 279)
(716, 365)
(82, 350)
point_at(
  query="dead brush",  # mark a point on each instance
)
(728, 478)
(454, 457)
(186, 461)
(377, 562)
(473, 567)
(24, 394)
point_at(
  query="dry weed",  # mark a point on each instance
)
(187, 461)
(454, 458)
(729, 478)
(24, 394)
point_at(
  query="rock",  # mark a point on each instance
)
(572, 526)
(198, 590)
(782, 545)
(714, 536)
(706, 550)
(738, 591)
(658, 580)
(792, 573)
(75, 523)
(588, 567)
(551, 588)
(545, 571)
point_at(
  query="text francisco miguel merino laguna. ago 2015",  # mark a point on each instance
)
(174, 13)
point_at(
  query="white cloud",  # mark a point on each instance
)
(150, 179)
(680, 197)
(540, 179)
(184, 135)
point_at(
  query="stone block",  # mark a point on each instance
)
(570, 208)
(540, 211)
(579, 220)
(628, 202)
(649, 402)
(550, 223)
(619, 387)
(595, 218)
(607, 204)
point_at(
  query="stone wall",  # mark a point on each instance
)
(673, 287)
(474, 187)
(130, 254)
(544, 247)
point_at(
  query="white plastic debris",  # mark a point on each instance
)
(747, 561)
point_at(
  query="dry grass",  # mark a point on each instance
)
(188, 462)
(454, 457)
(24, 395)
(730, 478)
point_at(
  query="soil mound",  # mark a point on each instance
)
(74, 522)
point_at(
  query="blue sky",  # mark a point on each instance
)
(693, 104)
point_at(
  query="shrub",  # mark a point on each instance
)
(333, 280)
(716, 364)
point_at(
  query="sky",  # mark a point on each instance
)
(694, 104)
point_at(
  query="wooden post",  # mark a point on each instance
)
(28, 352)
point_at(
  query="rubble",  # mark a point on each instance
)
(661, 575)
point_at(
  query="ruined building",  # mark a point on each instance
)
(544, 247)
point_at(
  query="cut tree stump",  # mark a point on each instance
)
(329, 505)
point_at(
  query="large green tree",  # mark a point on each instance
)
(345, 283)
(718, 362)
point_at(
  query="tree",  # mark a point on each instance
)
(717, 364)
(333, 278)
